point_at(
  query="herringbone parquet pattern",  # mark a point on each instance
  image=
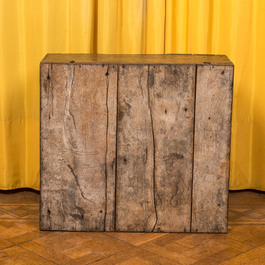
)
(21, 242)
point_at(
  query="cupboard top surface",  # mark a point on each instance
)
(68, 58)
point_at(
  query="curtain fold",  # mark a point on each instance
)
(29, 29)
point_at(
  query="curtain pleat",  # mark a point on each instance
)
(29, 29)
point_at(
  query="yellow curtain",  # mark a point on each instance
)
(31, 28)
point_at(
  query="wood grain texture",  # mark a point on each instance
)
(140, 147)
(78, 129)
(135, 208)
(212, 148)
(172, 90)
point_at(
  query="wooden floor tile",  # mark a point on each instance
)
(240, 209)
(254, 214)
(17, 230)
(27, 236)
(21, 241)
(252, 235)
(209, 248)
(5, 243)
(136, 238)
(255, 256)
(77, 252)
(135, 256)
(20, 197)
(18, 256)
(213, 252)
(196, 248)
(218, 258)
(168, 247)
(7, 216)
(67, 247)
(250, 214)
(260, 208)
(241, 199)
(54, 252)
(231, 243)
(19, 211)
(232, 214)
(192, 240)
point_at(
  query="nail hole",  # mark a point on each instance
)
(165, 111)
(72, 61)
(223, 72)
(185, 109)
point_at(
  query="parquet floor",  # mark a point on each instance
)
(21, 242)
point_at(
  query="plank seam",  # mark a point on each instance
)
(116, 151)
(194, 119)
(154, 160)
(106, 151)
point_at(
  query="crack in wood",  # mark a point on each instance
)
(154, 161)
(78, 184)
(71, 89)
(68, 112)
(50, 90)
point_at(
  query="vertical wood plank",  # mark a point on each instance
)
(77, 150)
(135, 209)
(212, 148)
(172, 106)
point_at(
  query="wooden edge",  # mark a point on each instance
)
(68, 58)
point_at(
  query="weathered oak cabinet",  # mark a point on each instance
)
(135, 142)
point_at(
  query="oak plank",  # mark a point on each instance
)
(212, 148)
(135, 209)
(77, 150)
(172, 90)
(111, 148)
